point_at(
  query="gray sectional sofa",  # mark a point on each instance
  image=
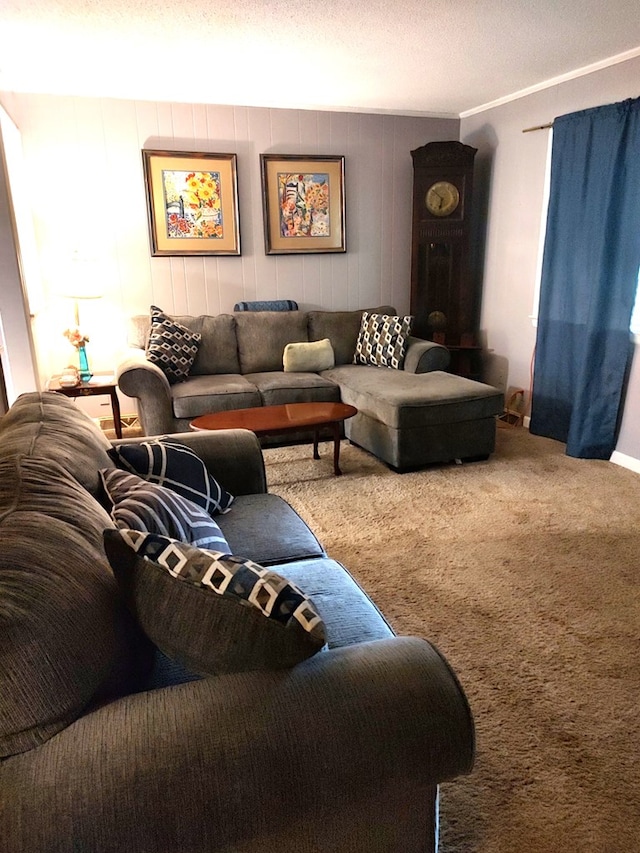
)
(409, 417)
(105, 745)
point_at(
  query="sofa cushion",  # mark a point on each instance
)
(172, 347)
(262, 337)
(263, 515)
(203, 395)
(138, 328)
(308, 357)
(248, 617)
(140, 505)
(50, 426)
(218, 350)
(350, 616)
(277, 388)
(416, 400)
(175, 466)
(382, 340)
(341, 328)
(61, 615)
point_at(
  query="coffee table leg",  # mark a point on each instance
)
(336, 448)
(316, 455)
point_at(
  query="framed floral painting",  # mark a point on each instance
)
(192, 202)
(303, 203)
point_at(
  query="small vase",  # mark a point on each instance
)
(85, 373)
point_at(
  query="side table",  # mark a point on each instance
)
(96, 386)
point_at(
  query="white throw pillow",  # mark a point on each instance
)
(309, 357)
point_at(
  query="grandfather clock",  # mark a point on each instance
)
(444, 301)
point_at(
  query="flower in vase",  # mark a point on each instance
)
(75, 337)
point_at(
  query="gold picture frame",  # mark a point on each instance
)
(192, 203)
(303, 203)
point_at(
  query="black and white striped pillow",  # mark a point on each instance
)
(175, 466)
(139, 505)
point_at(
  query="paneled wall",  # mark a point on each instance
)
(88, 197)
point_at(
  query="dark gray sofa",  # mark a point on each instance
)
(104, 748)
(408, 418)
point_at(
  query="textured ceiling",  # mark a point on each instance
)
(435, 57)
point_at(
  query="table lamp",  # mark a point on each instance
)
(81, 283)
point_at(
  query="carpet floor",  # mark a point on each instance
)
(524, 570)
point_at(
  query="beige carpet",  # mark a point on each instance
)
(525, 571)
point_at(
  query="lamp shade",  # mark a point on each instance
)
(82, 280)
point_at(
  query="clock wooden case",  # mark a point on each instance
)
(444, 301)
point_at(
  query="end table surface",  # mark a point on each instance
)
(289, 417)
(98, 384)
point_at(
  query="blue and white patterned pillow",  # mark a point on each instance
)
(139, 505)
(382, 340)
(172, 347)
(213, 612)
(175, 466)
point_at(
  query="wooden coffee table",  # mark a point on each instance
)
(277, 420)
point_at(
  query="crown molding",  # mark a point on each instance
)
(554, 81)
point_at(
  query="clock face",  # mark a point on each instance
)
(442, 198)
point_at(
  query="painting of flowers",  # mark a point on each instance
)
(303, 201)
(304, 204)
(192, 202)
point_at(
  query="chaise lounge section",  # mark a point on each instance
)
(409, 417)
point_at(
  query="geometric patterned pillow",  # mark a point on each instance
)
(212, 612)
(137, 504)
(382, 340)
(174, 466)
(172, 347)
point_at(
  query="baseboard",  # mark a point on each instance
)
(617, 458)
(126, 420)
(625, 461)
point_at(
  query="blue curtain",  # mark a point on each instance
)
(589, 278)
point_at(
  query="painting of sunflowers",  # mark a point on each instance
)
(192, 203)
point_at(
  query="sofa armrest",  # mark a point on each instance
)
(233, 456)
(423, 356)
(139, 378)
(352, 741)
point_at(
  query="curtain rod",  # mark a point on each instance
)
(538, 127)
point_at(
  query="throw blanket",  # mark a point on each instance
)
(266, 305)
